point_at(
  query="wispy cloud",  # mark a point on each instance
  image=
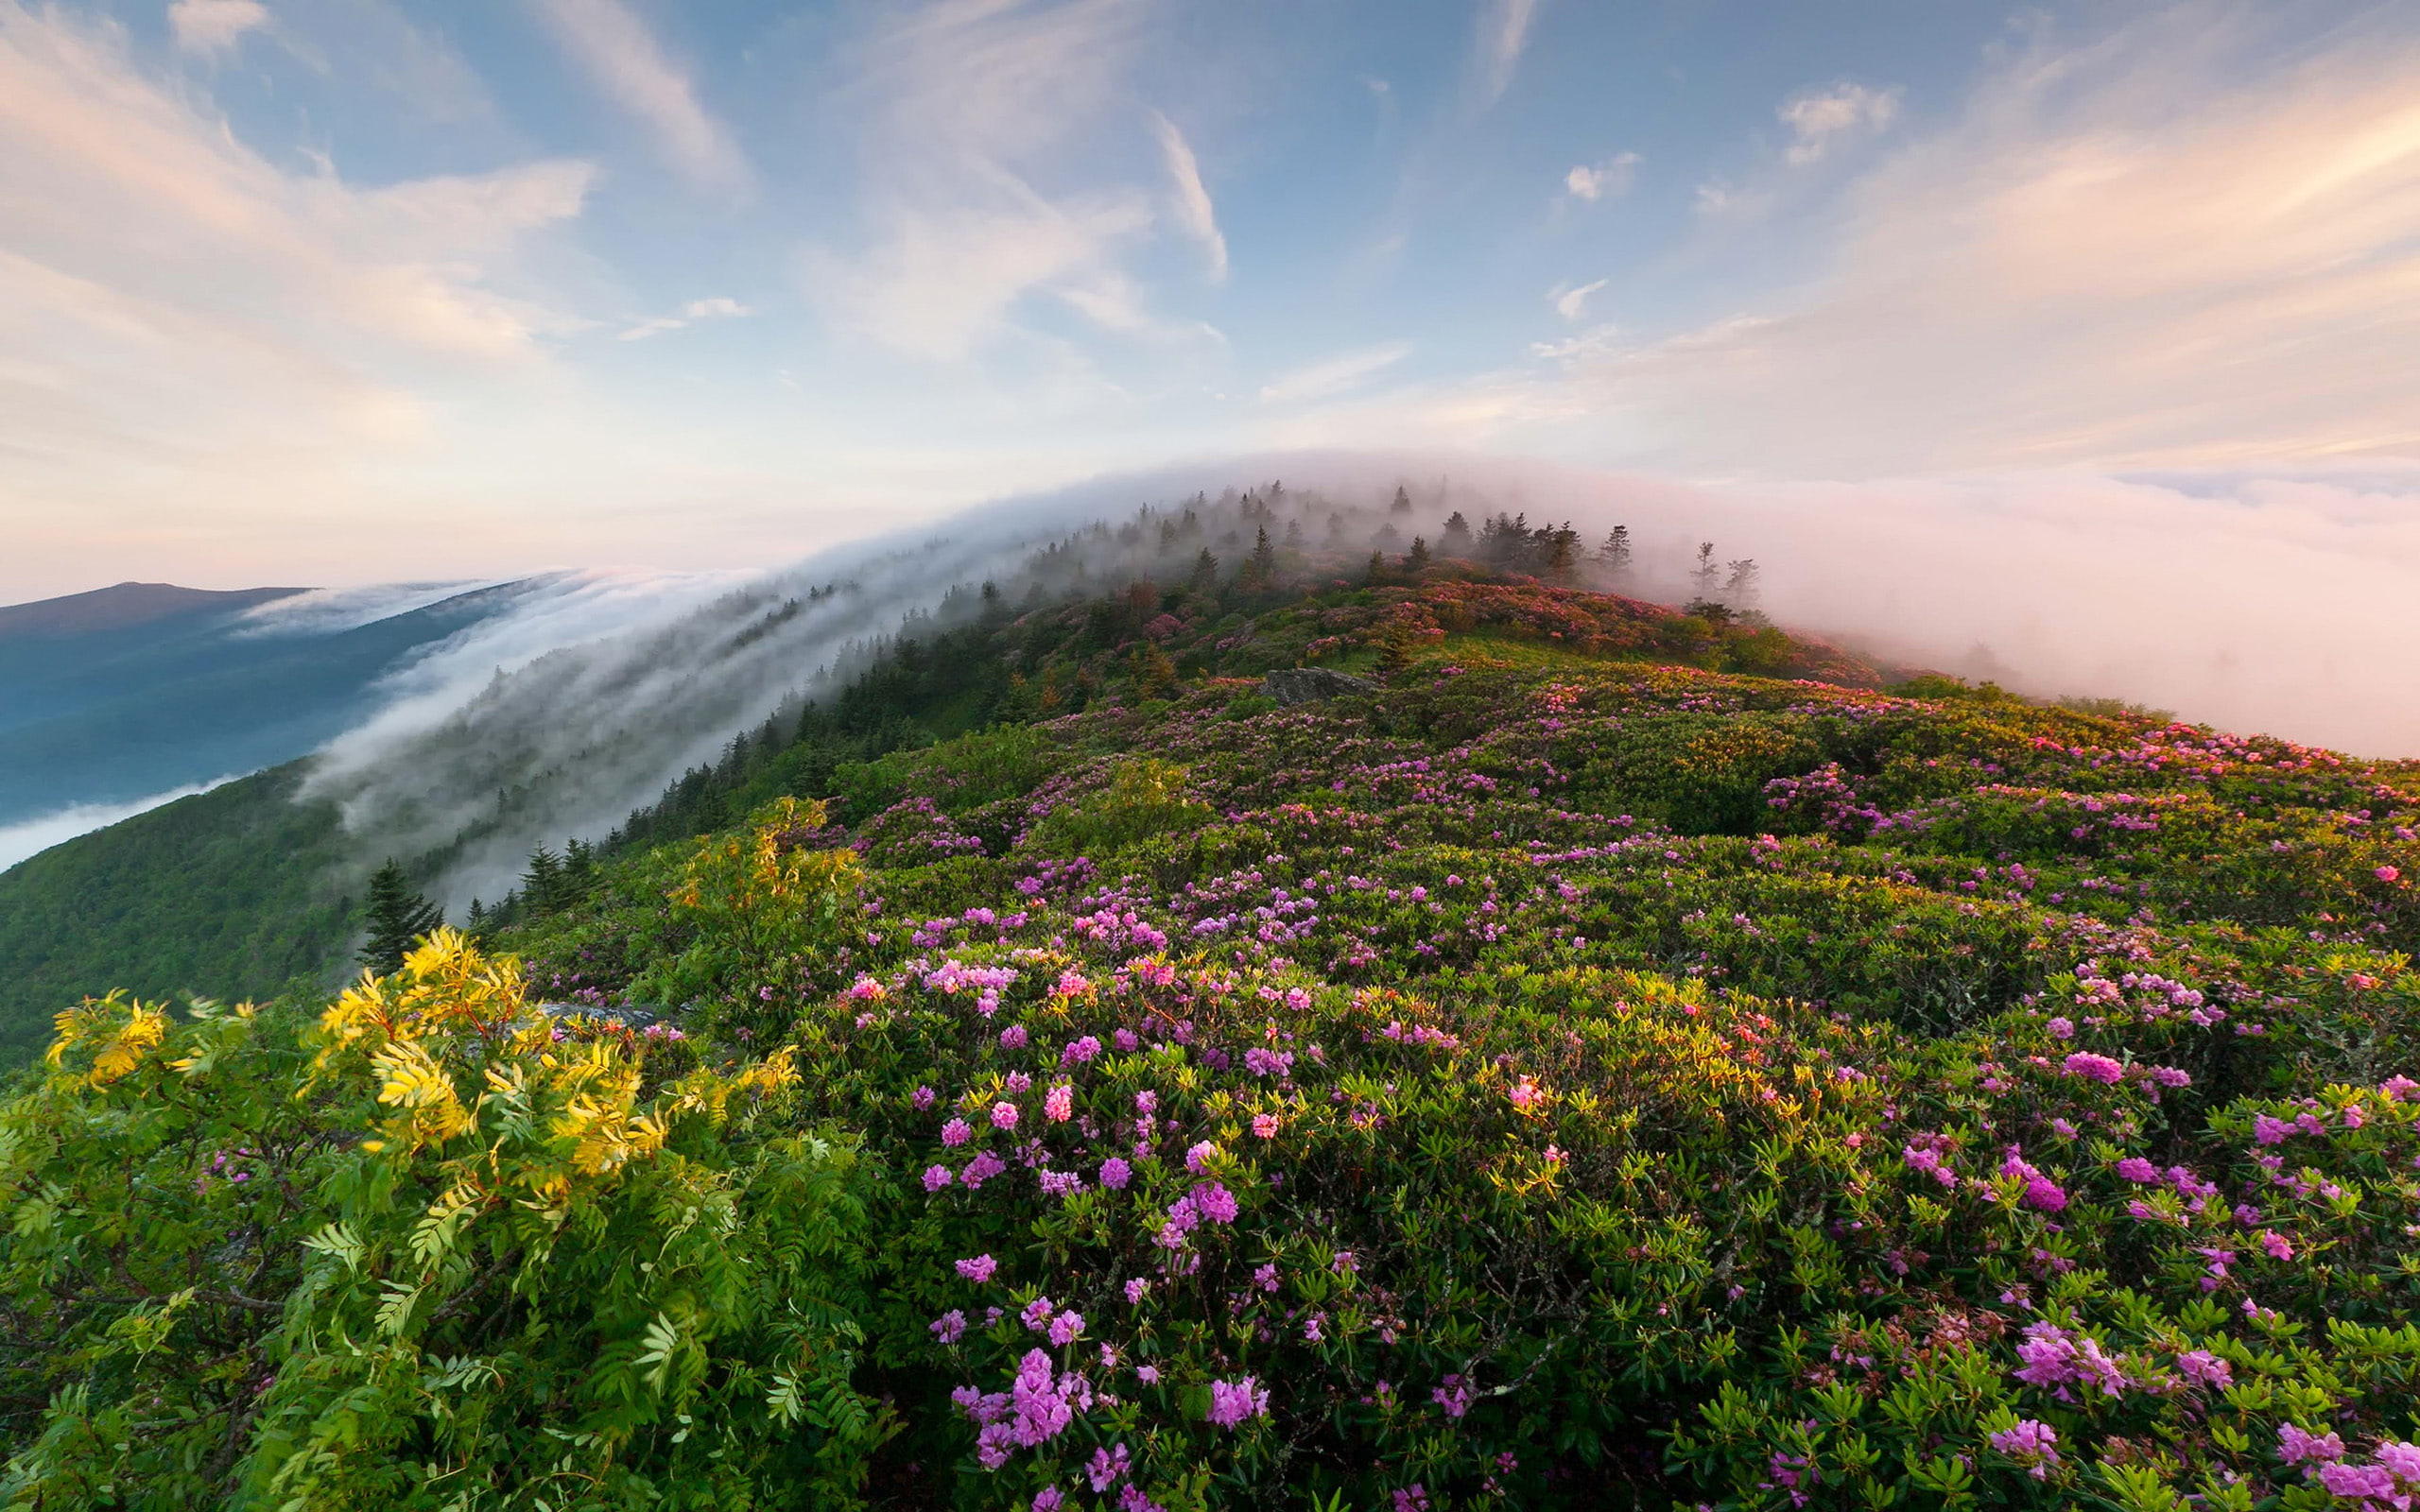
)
(214, 26)
(1503, 35)
(1607, 179)
(1572, 303)
(2138, 252)
(1194, 213)
(1821, 117)
(1322, 380)
(287, 343)
(691, 313)
(630, 67)
(981, 125)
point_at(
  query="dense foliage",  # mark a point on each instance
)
(1567, 1075)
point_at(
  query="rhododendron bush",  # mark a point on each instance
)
(1552, 1079)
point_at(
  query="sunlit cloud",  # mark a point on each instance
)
(1334, 377)
(214, 26)
(630, 68)
(1572, 303)
(1503, 34)
(1607, 179)
(718, 308)
(1194, 213)
(1819, 119)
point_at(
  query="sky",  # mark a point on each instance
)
(348, 291)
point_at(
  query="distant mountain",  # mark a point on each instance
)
(113, 695)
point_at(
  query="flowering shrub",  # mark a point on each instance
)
(435, 1244)
(1564, 1080)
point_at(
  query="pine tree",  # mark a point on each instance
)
(1707, 574)
(1205, 572)
(1260, 568)
(1739, 589)
(542, 884)
(1418, 557)
(398, 917)
(1614, 553)
(1154, 674)
(1403, 501)
(1562, 550)
(1394, 647)
(1376, 571)
(1455, 542)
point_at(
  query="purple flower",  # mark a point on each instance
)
(1108, 1468)
(1125, 1041)
(1231, 1401)
(2203, 1368)
(950, 1327)
(1049, 1499)
(1455, 1396)
(2096, 1067)
(1215, 1202)
(2269, 1130)
(922, 1099)
(981, 1169)
(2296, 1447)
(1037, 1313)
(1115, 1173)
(1013, 1037)
(1196, 1157)
(2032, 1444)
(1147, 1374)
(1079, 1051)
(1136, 1290)
(936, 1178)
(978, 1269)
(2134, 1168)
(1066, 1327)
(1059, 1104)
(1004, 1115)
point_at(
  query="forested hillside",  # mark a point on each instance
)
(1584, 1054)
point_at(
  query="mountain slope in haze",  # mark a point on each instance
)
(79, 917)
(112, 697)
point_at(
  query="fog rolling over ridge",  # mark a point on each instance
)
(480, 764)
(2274, 605)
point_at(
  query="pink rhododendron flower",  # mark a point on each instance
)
(978, 1269)
(2096, 1067)
(2031, 1444)
(1059, 1104)
(1233, 1402)
(956, 1132)
(1004, 1115)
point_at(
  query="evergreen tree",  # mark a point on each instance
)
(1154, 674)
(1706, 575)
(1394, 647)
(398, 917)
(1403, 501)
(1205, 572)
(1376, 571)
(542, 884)
(1418, 557)
(1260, 568)
(1455, 542)
(1614, 553)
(1562, 550)
(1739, 589)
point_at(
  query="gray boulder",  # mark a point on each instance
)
(1293, 685)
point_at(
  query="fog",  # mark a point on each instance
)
(2276, 604)
(32, 836)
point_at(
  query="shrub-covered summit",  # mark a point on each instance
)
(1620, 1058)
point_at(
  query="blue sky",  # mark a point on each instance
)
(340, 290)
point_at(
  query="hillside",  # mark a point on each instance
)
(1602, 1057)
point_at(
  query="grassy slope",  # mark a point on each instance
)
(1617, 1016)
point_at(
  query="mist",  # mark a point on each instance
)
(31, 837)
(2275, 604)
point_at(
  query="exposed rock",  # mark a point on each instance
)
(1293, 685)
